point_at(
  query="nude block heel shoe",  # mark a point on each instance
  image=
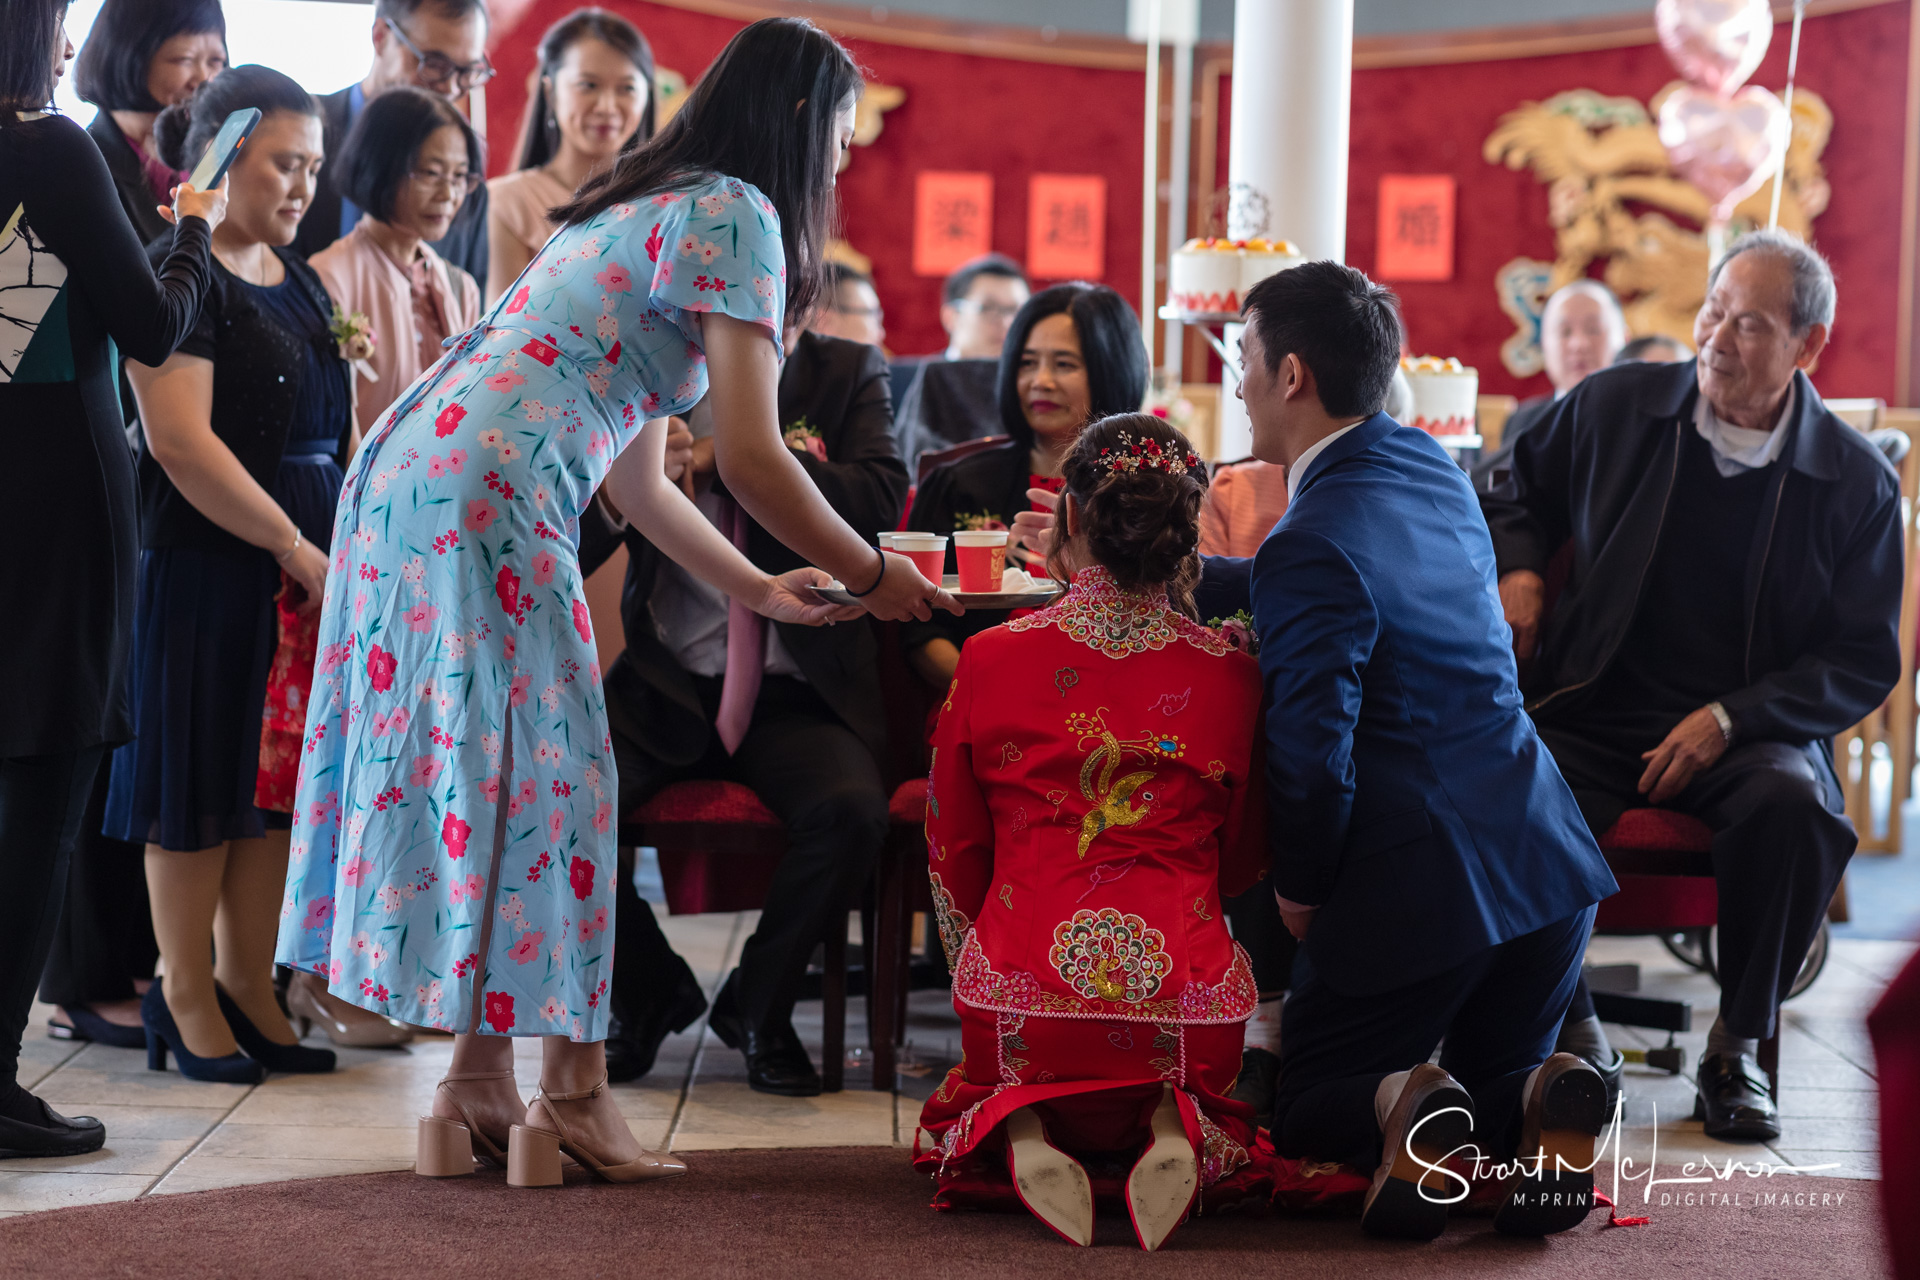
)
(533, 1154)
(1164, 1181)
(1051, 1183)
(533, 1158)
(447, 1148)
(443, 1148)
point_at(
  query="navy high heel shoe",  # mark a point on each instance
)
(295, 1059)
(163, 1034)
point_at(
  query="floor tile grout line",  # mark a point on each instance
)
(198, 1142)
(1801, 1026)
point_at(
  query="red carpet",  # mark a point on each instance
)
(852, 1213)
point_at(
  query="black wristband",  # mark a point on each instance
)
(878, 578)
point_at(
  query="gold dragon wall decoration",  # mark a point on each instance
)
(1612, 197)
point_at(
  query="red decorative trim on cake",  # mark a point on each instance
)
(1454, 426)
(1215, 303)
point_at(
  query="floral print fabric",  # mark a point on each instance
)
(453, 842)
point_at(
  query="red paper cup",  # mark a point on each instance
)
(928, 551)
(982, 556)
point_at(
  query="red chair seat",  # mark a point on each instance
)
(909, 803)
(1660, 830)
(704, 802)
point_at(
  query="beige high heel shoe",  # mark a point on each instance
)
(310, 1004)
(1164, 1181)
(533, 1154)
(448, 1148)
(1052, 1184)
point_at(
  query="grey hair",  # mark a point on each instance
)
(1587, 287)
(1813, 292)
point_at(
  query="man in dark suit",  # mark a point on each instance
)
(441, 46)
(810, 749)
(1581, 330)
(1732, 603)
(1426, 851)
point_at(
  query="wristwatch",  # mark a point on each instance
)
(1725, 721)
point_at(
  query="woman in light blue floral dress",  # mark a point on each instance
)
(454, 839)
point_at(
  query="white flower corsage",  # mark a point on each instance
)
(354, 332)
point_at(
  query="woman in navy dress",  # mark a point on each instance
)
(246, 426)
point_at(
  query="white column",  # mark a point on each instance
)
(1287, 156)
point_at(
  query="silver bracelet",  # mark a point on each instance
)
(282, 556)
(1725, 721)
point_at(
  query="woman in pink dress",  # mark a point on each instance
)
(1096, 792)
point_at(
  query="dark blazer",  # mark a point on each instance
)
(949, 402)
(129, 178)
(1526, 415)
(73, 509)
(464, 245)
(840, 388)
(1413, 802)
(1823, 577)
(992, 483)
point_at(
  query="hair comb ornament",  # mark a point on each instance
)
(1146, 455)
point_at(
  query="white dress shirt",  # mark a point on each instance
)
(1314, 450)
(1737, 449)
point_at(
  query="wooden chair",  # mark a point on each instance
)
(940, 457)
(719, 847)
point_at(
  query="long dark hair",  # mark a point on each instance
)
(183, 130)
(26, 54)
(540, 136)
(111, 71)
(1110, 346)
(1137, 485)
(762, 113)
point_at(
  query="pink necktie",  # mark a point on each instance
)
(746, 651)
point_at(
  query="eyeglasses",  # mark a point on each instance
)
(437, 69)
(460, 184)
(990, 310)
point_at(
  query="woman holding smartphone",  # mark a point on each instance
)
(75, 285)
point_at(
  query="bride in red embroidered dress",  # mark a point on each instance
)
(1095, 792)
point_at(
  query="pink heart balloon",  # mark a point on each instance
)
(1716, 44)
(1727, 147)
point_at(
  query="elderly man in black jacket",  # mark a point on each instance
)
(1732, 602)
(810, 749)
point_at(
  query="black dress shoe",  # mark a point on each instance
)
(50, 1134)
(1735, 1100)
(1259, 1073)
(634, 1039)
(1612, 1074)
(776, 1060)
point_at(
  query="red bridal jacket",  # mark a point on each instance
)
(1095, 791)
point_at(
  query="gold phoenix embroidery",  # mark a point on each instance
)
(1111, 798)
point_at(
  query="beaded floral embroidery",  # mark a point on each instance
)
(1097, 613)
(1105, 955)
(952, 921)
(977, 984)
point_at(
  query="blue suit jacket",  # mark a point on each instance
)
(1411, 800)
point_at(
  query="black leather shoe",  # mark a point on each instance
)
(51, 1135)
(1259, 1073)
(634, 1040)
(1612, 1074)
(776, 1060)
(1734, 1099)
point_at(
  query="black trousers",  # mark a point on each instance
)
(1781, 843)
(41, 802)
(822, 782)
(105, 937)
(1255, 918)
(1498, 1014)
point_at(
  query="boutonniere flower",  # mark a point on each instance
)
(356, 338)
(804, 437)
(1237, 630)
(978, 521)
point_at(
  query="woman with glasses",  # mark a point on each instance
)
(436, 45)
(244, 426)
(408, 162)
(456, 838)
(593, 100)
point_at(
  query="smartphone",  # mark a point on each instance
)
(221, 151)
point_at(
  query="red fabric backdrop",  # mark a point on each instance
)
(1013, 119)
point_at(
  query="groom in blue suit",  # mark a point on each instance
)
(1425, 849)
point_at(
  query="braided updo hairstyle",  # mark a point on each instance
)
(1138, 518)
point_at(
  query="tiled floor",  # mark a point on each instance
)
(167, 1134)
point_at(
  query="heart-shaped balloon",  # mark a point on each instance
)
(1727, 147)
(1716, 44)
